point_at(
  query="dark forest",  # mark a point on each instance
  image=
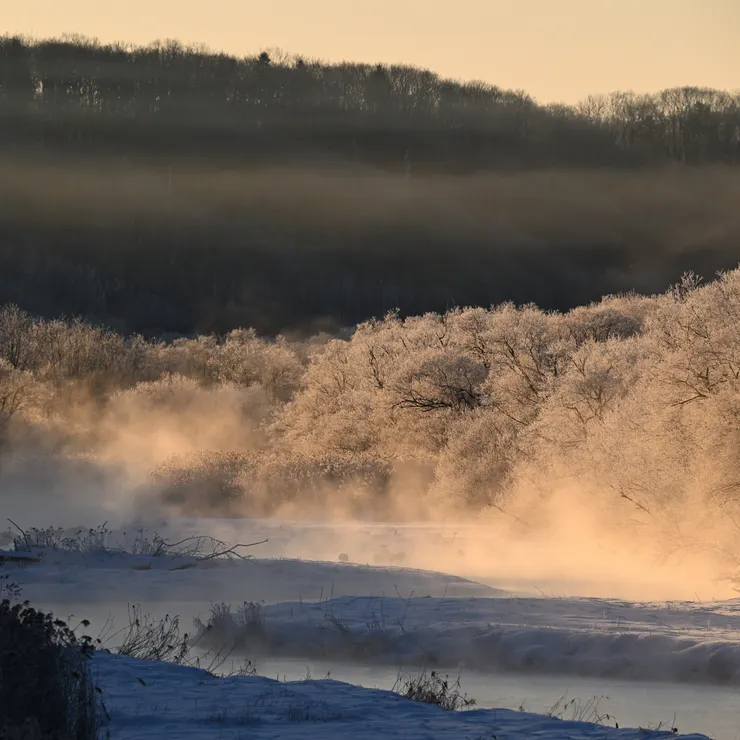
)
(168, 190)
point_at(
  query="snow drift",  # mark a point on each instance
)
(147, 700)
(586, 637)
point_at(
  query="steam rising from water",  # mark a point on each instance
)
(593, 452)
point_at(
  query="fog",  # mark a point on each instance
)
(190, 248)
(594, 447)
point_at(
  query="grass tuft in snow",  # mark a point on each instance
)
(432, 688)
(228, 718)
(239, 631)
(578, 710)
(146, 638)
(94, 539)
(102, 540)
(154, 639)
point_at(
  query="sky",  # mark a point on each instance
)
(557, 50)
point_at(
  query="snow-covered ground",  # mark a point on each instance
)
(149, 700)
(372, 614)
(114, 577)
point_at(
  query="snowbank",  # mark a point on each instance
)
(149, 701)
(587, 637)
(113, 577)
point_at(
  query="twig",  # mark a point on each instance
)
(503, 511)
(164, 543)
(232, 551)
(636, 503)
(25, 536)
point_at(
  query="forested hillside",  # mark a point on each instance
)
(170, 100)
(170, 189)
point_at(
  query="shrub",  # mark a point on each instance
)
(9, 589)
(46, 691)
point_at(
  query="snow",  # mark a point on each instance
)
(154, 700)
(363, 614)
(403, 616)
(586, 637)
(16, 556)
(119, 577)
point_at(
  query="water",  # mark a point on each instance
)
(713, 711)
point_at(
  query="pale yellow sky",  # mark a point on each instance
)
(554, 49)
